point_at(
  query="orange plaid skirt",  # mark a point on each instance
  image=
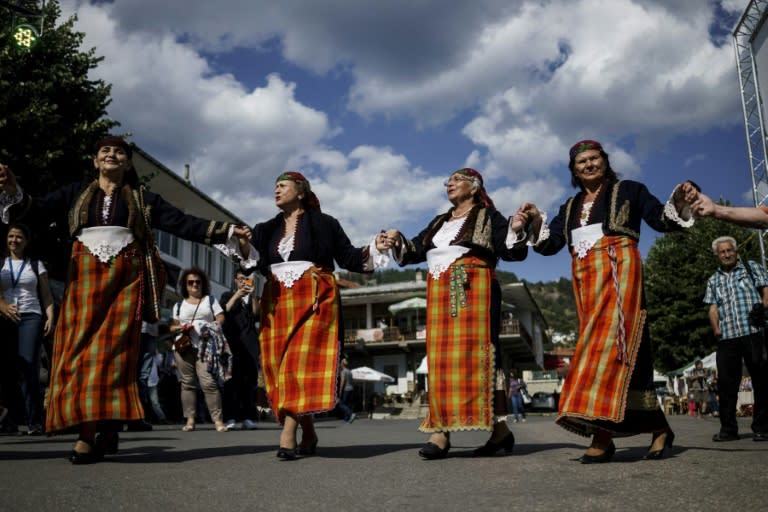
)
(460, 353)
(300, 343)
(96, 342)
(597, 392)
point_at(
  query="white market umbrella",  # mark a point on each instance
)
(412, 303)
(423, 369)
(416, 303)
(370, 375)
(365, 374)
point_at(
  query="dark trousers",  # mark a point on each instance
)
(21, 369)
(239, 392)
(146, 358)
(730, 354)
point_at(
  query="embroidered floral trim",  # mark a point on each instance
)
(583, 247)
(290, 272)
(586, 209)
(106, 242)
(106, 208)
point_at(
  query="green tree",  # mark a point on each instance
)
(51, 115)
(676, 272)
(51, 111)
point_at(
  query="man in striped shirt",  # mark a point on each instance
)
(732, 291)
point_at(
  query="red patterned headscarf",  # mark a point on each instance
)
(481, 195)
(310, 201)
(584, 145)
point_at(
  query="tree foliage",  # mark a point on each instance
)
(51, 111)
(51, 115)
(557, 304)
(676, 272)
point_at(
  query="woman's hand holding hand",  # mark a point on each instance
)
(686, 194)
(519, 220)
(527, 213)
(703, 206)
(388, 239)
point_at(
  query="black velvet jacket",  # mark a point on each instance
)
(60, 203)
(484, 232)
(319, 239)
(620, 208)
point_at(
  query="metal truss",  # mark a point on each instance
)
(754, 123)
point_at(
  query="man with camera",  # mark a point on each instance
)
(241, 313)
(737, 294)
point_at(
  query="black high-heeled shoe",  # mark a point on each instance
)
(659, 454)
(89, 457)
(107, 442)
(308, 450)
(286, 453)
(490, 448)
(431, 451)
(606, 456)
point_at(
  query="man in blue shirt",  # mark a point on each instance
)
(731, 293)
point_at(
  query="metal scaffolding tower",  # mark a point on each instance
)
(743, 36)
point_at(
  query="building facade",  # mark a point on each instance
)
(385, 330)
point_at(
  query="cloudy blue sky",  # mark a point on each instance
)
(376, 102)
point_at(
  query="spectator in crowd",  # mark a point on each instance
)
(346, 387)
(207, 359)
(515, 394)
(698, 391)
(732, 291)
(241, 310)
(26, 311)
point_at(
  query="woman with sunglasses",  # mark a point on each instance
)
(208, 360)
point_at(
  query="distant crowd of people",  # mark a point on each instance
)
(106, 365)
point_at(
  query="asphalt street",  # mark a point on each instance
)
(372, 465)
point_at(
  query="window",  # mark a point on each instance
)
(167, 243)
(225, 273)
(208, 261)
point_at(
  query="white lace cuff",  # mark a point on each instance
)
(6, 201)
(514, 237)
(376, 259)
(535, 238)
(684, 217)
(231, 248)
